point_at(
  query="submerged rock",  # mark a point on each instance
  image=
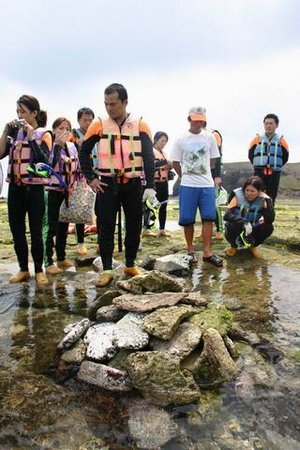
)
(215, 365)
(76, 354)
(245, 387)
(159, 378)
(150, 426)
(104, 376)
(164, 322)
(153, 281)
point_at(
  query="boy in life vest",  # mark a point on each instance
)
(268, 153)
(124, 153)
(249, 218)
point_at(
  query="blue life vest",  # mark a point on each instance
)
(251, 211)
(94, 154)
(268, 152)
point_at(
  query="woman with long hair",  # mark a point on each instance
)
(21, 141)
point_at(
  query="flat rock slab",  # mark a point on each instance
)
(160, 379)
(164, 322)
(129, 334)
(103, 376)
(176, 264)
(148, 302)
(153, 281)
(185, 340)
(100, 341)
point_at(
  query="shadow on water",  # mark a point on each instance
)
(39, 413)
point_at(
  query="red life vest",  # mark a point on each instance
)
(20, 157)
(119, 149)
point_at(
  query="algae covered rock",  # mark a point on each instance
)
(215, 365)
(153, 281)
(164, 322)
(214, 316)
(160, 379)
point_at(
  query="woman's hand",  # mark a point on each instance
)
(29, 130)
(96, 185)
(61, 138)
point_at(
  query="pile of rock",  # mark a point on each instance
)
(151, 336)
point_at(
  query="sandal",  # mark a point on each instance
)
(194, 257)
(214, 260)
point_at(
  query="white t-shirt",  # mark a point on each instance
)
(194, 152)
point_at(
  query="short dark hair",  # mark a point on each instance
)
(119, 88)
(158, 135)
(33, 104)
(272, 116)
(85, 110)
(254, 181)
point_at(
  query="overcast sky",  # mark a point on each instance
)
(238, 58)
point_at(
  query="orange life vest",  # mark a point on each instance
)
(119, 149)
(161, 173)
(20, 157)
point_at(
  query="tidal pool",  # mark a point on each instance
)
(41, 411)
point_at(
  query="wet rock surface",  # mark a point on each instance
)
(159, 378)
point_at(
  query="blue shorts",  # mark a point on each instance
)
(191, 198)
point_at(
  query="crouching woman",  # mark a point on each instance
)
(249, 218)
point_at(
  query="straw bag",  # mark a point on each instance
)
(79, 207)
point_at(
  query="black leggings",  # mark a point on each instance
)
(129, 196)
(258, 236)
(21, 200)
(55, 229)
(79, 227)
(162, 194)
(271, 182)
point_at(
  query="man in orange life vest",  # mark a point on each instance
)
(268, 153)
(124, 154)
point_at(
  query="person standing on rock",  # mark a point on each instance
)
(194, 154)
(268, 153)
(124, 153)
